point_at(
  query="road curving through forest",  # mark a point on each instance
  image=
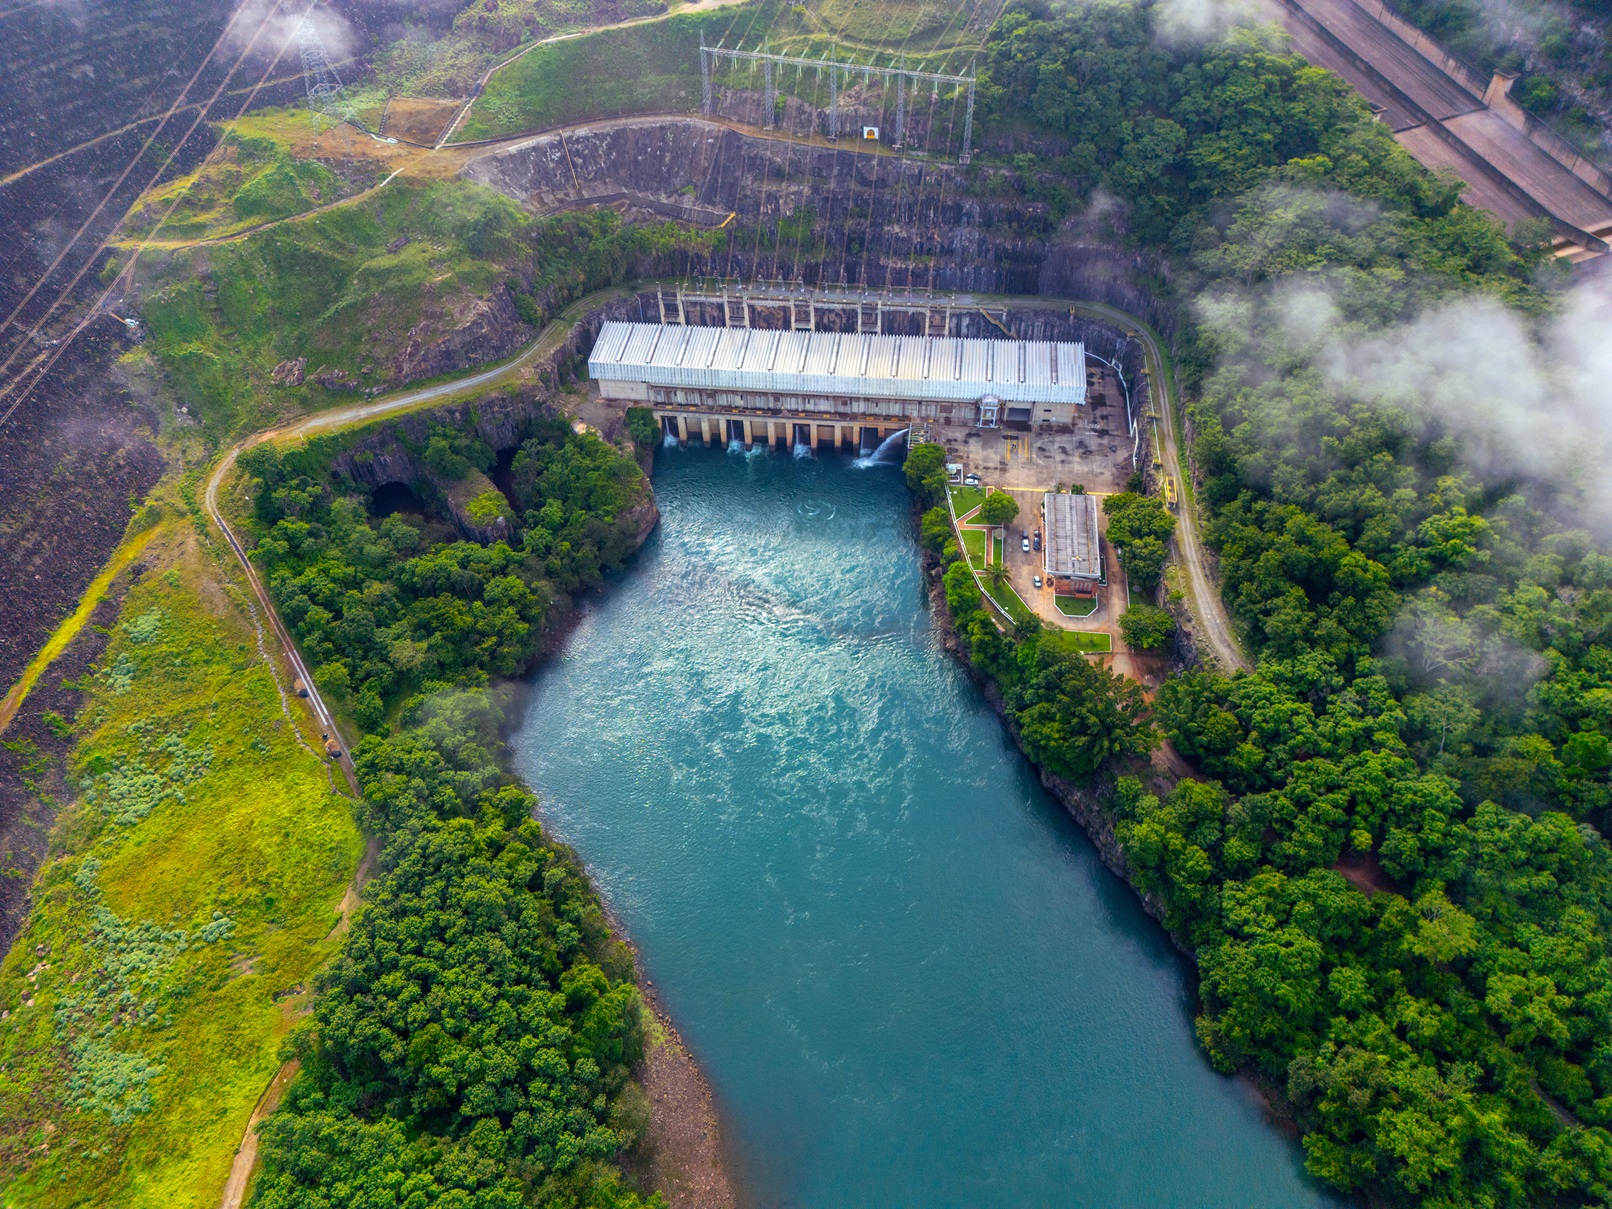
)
(363, 413)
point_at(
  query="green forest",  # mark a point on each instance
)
(1393, 872)
(471, 1044)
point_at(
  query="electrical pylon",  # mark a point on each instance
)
(325, 93)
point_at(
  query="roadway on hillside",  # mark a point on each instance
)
(362, 413)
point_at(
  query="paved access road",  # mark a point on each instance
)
(1203, 597)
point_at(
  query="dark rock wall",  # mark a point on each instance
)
(858, 218)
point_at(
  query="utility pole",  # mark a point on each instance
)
(705, 77)
(968, 125)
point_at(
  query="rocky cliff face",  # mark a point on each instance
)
(462, 332)
(389, 453)
(858, 218)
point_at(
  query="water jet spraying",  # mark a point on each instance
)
(877, 456)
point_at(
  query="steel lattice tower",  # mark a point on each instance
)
(324, 85)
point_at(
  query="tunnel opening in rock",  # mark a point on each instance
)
(503, 476)
(389, 499)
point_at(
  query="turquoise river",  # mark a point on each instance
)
(902, 965)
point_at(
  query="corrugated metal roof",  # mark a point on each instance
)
(1071, 543)
(840, 363)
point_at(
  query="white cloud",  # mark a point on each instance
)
(270, 28)
(1525, 400)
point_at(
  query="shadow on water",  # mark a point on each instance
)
(903, 966)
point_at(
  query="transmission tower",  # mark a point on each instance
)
(324, 85)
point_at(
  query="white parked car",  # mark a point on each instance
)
(1036, 580)
(1024, 544)
(971, 480)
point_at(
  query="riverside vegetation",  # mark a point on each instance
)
(472, 1043)
(1395, 881)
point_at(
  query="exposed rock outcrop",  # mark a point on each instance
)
(479, 510)
(878, 220)
(479, 330)
(290, 373)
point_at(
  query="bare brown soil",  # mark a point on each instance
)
(419, 119)
(682, 1153)
(1366, 873)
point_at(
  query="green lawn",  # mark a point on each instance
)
(187, 907)
(973, 541)
(648, 68)
(1076, 606)
(1078, 642)
(996, 550)
(966, 499)
(1012, 604)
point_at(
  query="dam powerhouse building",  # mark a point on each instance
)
(835, 389)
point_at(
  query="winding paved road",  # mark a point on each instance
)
(1203, 598)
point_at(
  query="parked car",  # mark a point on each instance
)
(1036, 580)
(1037, 542)
(1024, 544)
(971, 480)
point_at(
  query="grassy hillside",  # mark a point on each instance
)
(191, 896)
(650, 68)
(247, 181)
(343, 288)
(359, 291)
(655, 67)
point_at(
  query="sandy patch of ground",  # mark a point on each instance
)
(683, 1150)
(420, 119)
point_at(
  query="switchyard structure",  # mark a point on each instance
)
(907, 81)
(844, 390)
(802, 308)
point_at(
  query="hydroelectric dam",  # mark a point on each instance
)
(835, 369)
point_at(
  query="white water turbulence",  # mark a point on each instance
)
(877, 457)
(735, 445)
(802, 450)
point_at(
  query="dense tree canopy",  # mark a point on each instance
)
(470, 1046)
(471, 1043)
(1394, 874)
(378, 610)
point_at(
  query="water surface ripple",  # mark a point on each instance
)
(902, 965)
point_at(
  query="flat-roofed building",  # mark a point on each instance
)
(1071, 555)
(843, 380)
